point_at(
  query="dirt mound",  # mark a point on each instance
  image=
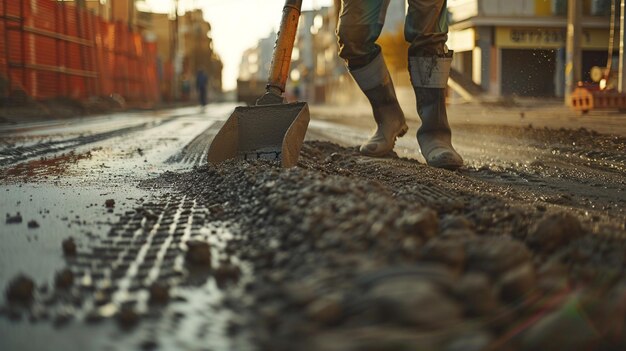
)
(357, 253)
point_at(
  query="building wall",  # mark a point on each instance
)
(517, 47)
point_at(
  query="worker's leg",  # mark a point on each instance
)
(426, 29)
(360, 24)
(203, 97)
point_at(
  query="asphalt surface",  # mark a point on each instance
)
(174, 254)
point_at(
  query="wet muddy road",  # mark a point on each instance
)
(117, 235)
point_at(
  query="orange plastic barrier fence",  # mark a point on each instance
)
(50, 49)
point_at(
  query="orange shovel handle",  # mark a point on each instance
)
(281, 59)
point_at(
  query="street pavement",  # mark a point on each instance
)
(133, 192)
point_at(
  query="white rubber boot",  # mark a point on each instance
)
(429, 76)
(375, 81)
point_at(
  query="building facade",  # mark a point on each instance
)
(517, 48)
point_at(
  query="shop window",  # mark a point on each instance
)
(590, 7)
(601, 7)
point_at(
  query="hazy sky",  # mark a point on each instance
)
(236, 25)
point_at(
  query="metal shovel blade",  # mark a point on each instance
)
(274, 132)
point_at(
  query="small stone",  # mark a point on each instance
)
(216, 210)
(413, 302)
(159, 294)
(109, 203)
(477, 294)
(326, 310)
(69, 247)
(457, 234)
(453, 222)
(517, 283)
(198, 252)
(555, 230)
(33, 224)
(553, 277)
(15, 219)
(64, 279)
(20, 290)
(127, 318)
(226, 273)
(300, 294)
(448, 252)
(495, 255)
(423, 223)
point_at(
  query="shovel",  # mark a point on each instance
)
(272, 129)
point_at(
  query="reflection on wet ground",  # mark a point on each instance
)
(45, 168)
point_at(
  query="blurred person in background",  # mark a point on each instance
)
(201, 86)
(426, 30)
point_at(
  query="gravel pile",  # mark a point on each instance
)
(354, 253)
(351, 253)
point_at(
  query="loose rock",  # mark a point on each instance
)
(496, 255)
(451, 253)
(555, 230)
(478, 295)
(33, 224)
(14, 219)
(127, 318)
(159, 294)
(423, 223)
(226, 273)
(517, 283)
(20, 290)
(198, 252)
(109, 203)
(64, 279)
(69, 247)
(326, 310)
(414, 302)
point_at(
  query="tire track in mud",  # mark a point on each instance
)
(141, 273)
(12, 155)
(195, 152)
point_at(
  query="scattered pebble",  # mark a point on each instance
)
(159, 294)
(225, 273)
(33, 224)
(64, 279)
(326, 310)
(69, 247)
(127, 318)
(14, 219)
(555, 230)
(198, 252)
(20, 290)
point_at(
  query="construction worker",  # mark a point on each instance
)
(360, 24)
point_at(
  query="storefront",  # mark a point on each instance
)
(533, 59)
(523, 61)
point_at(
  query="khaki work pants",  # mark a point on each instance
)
(361, 21)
